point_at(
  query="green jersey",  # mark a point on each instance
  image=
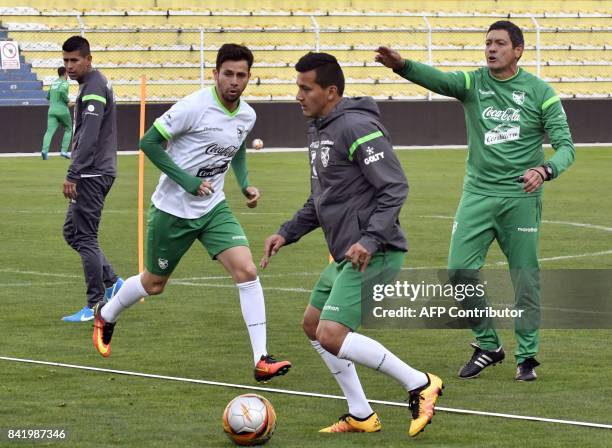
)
(506, 121)
(58, 96)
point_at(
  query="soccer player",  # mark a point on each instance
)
(357, 190)
(206, 132)
(507, 113)
(58, 113)
(91, 173)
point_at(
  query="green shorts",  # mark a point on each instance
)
(169, 237)
(340, 288)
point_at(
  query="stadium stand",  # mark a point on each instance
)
(19, 87)
(172, 41)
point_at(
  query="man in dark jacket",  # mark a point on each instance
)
(91, 173)
(357, 190)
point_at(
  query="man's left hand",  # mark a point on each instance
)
(358, 256)
(252, 194)
(70, 191)
(533, 178)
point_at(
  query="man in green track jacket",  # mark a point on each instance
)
(507, 113)
(58, 113)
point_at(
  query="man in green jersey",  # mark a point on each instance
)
(58, 113)
(507, 113)
(205, 134)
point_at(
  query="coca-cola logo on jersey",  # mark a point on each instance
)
(226, 151)
(510, 114)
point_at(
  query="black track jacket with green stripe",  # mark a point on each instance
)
(94, 147)
(357, 184)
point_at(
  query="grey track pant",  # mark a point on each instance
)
(81, 233)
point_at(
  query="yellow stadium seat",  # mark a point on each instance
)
(160, 38)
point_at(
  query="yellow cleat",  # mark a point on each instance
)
(422, 403)
(349, 423)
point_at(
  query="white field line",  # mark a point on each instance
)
(188, 281)
(301, 393)
(560, 257)
(308, 291)
(214, 285)
(192, 281)
(546, 221)
(40, 274)
(27, 284)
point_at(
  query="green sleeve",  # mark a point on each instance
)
(455, 84)
(555, 124)
(151, 146)
(64, 93)
(239, 166)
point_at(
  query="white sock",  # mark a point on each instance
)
(363, 350)
(346, 375)
(254, 313)
(130, 293)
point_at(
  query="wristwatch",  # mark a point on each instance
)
(549, 171)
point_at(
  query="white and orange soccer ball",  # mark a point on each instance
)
(257, 143)
(249, 420)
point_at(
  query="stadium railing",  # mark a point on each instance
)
(571, 51)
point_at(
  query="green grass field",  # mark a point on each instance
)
(195, 329)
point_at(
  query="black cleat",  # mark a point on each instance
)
(480, 360)
(525, 371)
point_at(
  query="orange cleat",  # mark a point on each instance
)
(103, 331)
(349, 423)
(422, 403)
(268, 367)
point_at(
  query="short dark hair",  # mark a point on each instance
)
(328, 71)
(77, 43)
(234, 52)
(515, 33)
(61, 71)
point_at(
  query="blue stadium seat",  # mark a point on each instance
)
(20, 87)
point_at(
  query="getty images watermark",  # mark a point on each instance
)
(407, 290)
(521, 299)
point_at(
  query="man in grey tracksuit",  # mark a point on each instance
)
(357, 183)
(91, 173)
(357, 190)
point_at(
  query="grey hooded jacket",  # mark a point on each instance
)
(357, 183)
(94, 144)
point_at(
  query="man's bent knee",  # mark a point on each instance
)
(310, 322)
(310, 328)
(245, 273)
(331, 336)
(153, 284)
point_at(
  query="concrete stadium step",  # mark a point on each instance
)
(20, 85)
(23, 102)
(23, 94)
(17, 75)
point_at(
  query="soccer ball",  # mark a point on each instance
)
(249, 419)
(257, 143)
